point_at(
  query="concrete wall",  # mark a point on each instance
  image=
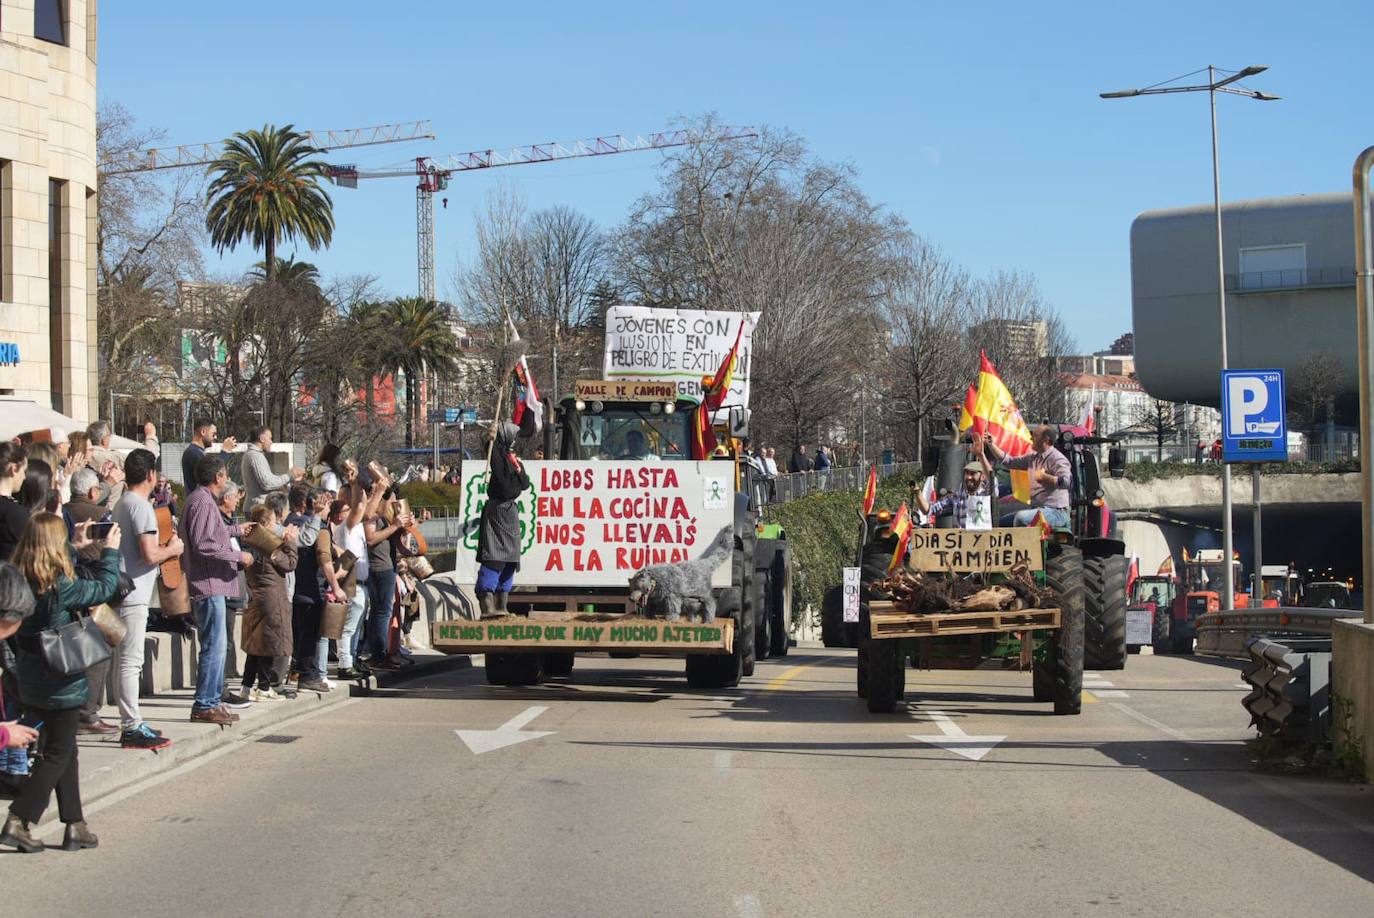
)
(1205, 491)
(1174, 293)
(47, 131)
(1352, 680)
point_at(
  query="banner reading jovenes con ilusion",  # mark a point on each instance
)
(681, 345)
(597, 523)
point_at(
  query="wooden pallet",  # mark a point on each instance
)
(886, 622)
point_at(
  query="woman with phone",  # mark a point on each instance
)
(50, 697)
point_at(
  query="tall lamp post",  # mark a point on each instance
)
(1213, 86)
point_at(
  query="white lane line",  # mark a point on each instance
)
(723, 760)
(1150, 721)
(1114, 693)
(1097, 683)
(747, 905)
(1244, 685)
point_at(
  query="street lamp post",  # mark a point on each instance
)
(1212, 87)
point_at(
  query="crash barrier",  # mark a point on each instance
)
(1225, 633)
(792, 485)
(1291, 689)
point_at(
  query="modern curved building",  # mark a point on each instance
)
(47, 204)
(1290, 290)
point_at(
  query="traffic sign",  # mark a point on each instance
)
(454, 416)
(1254, 425)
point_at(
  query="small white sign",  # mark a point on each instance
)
(978, 510)
(851, 594)
(715, 493)
(1140, 626)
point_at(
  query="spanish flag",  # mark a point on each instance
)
(996, 416)
(871, 492)
(713, 391)
(901, 528)
(1046, 530)
(970, 404)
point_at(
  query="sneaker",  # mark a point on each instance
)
(289, 693)
(233, 700)
(267, 694)
(212, 716)
(350, 674)
(143, 738)
(97, 727)
(313, 685)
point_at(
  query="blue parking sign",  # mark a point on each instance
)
(1254, 426)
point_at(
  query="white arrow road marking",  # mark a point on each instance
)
(508, 734)
(954, 739)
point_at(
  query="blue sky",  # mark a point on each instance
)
(978, 122)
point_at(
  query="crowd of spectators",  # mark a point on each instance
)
(317, 568)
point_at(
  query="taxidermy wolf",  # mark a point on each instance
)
(670, 590)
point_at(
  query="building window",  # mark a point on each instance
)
(57, 328)
(50, 21)
(1273, 266)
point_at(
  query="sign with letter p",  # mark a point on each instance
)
(1254, 424)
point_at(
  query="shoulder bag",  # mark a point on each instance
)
(74, 647)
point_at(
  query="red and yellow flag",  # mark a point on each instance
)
(871, 492)
(996, 416)
(970, 405)
(901, 528)
(713, 391)
(1046, 530)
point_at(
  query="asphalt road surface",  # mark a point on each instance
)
(635, 796)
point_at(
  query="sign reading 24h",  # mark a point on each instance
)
(1253, 422)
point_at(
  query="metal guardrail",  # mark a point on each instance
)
(1291, 279)
(1224, 634)
(792, 485)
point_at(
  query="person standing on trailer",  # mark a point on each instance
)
(498, 534)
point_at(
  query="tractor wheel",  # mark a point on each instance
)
(720, 670)
(763, 619)
(780, 605)
(559, 664)
(515, 668)
(1104, 604)
(886, 675)
(1064, 575)
(832, 617)
(742, 579)
(1159, 631)
(1181, 643)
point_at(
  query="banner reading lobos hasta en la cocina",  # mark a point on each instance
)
(596, 523)
(681, 345)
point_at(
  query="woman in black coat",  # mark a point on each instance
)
(498, 534)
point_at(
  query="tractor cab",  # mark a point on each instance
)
(626, 420)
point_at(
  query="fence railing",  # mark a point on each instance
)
(791, 485)
(1291, 279)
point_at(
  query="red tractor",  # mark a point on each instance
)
(1153, 595)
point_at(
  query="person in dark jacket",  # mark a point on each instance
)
(48, 697)
(498, 534)
(266, 621)
(800, 461)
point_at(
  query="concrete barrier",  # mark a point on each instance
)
(1352, 678)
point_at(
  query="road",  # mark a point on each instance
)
(783, 798)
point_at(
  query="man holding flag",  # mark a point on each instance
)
(978, 482)
(1050, 479)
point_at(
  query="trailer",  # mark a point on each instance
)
(1046, 641)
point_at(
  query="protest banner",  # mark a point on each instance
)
(681, 345)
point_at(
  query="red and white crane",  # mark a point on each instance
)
(434, 173)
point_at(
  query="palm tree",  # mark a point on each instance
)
(418, 339)
(299, 277)
(266, 188)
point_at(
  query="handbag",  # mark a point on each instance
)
(111, 626)
(332, 620)
(73, 648)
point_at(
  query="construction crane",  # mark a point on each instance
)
(433, 174)
(202, 154)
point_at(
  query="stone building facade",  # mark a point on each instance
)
(47, 204)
